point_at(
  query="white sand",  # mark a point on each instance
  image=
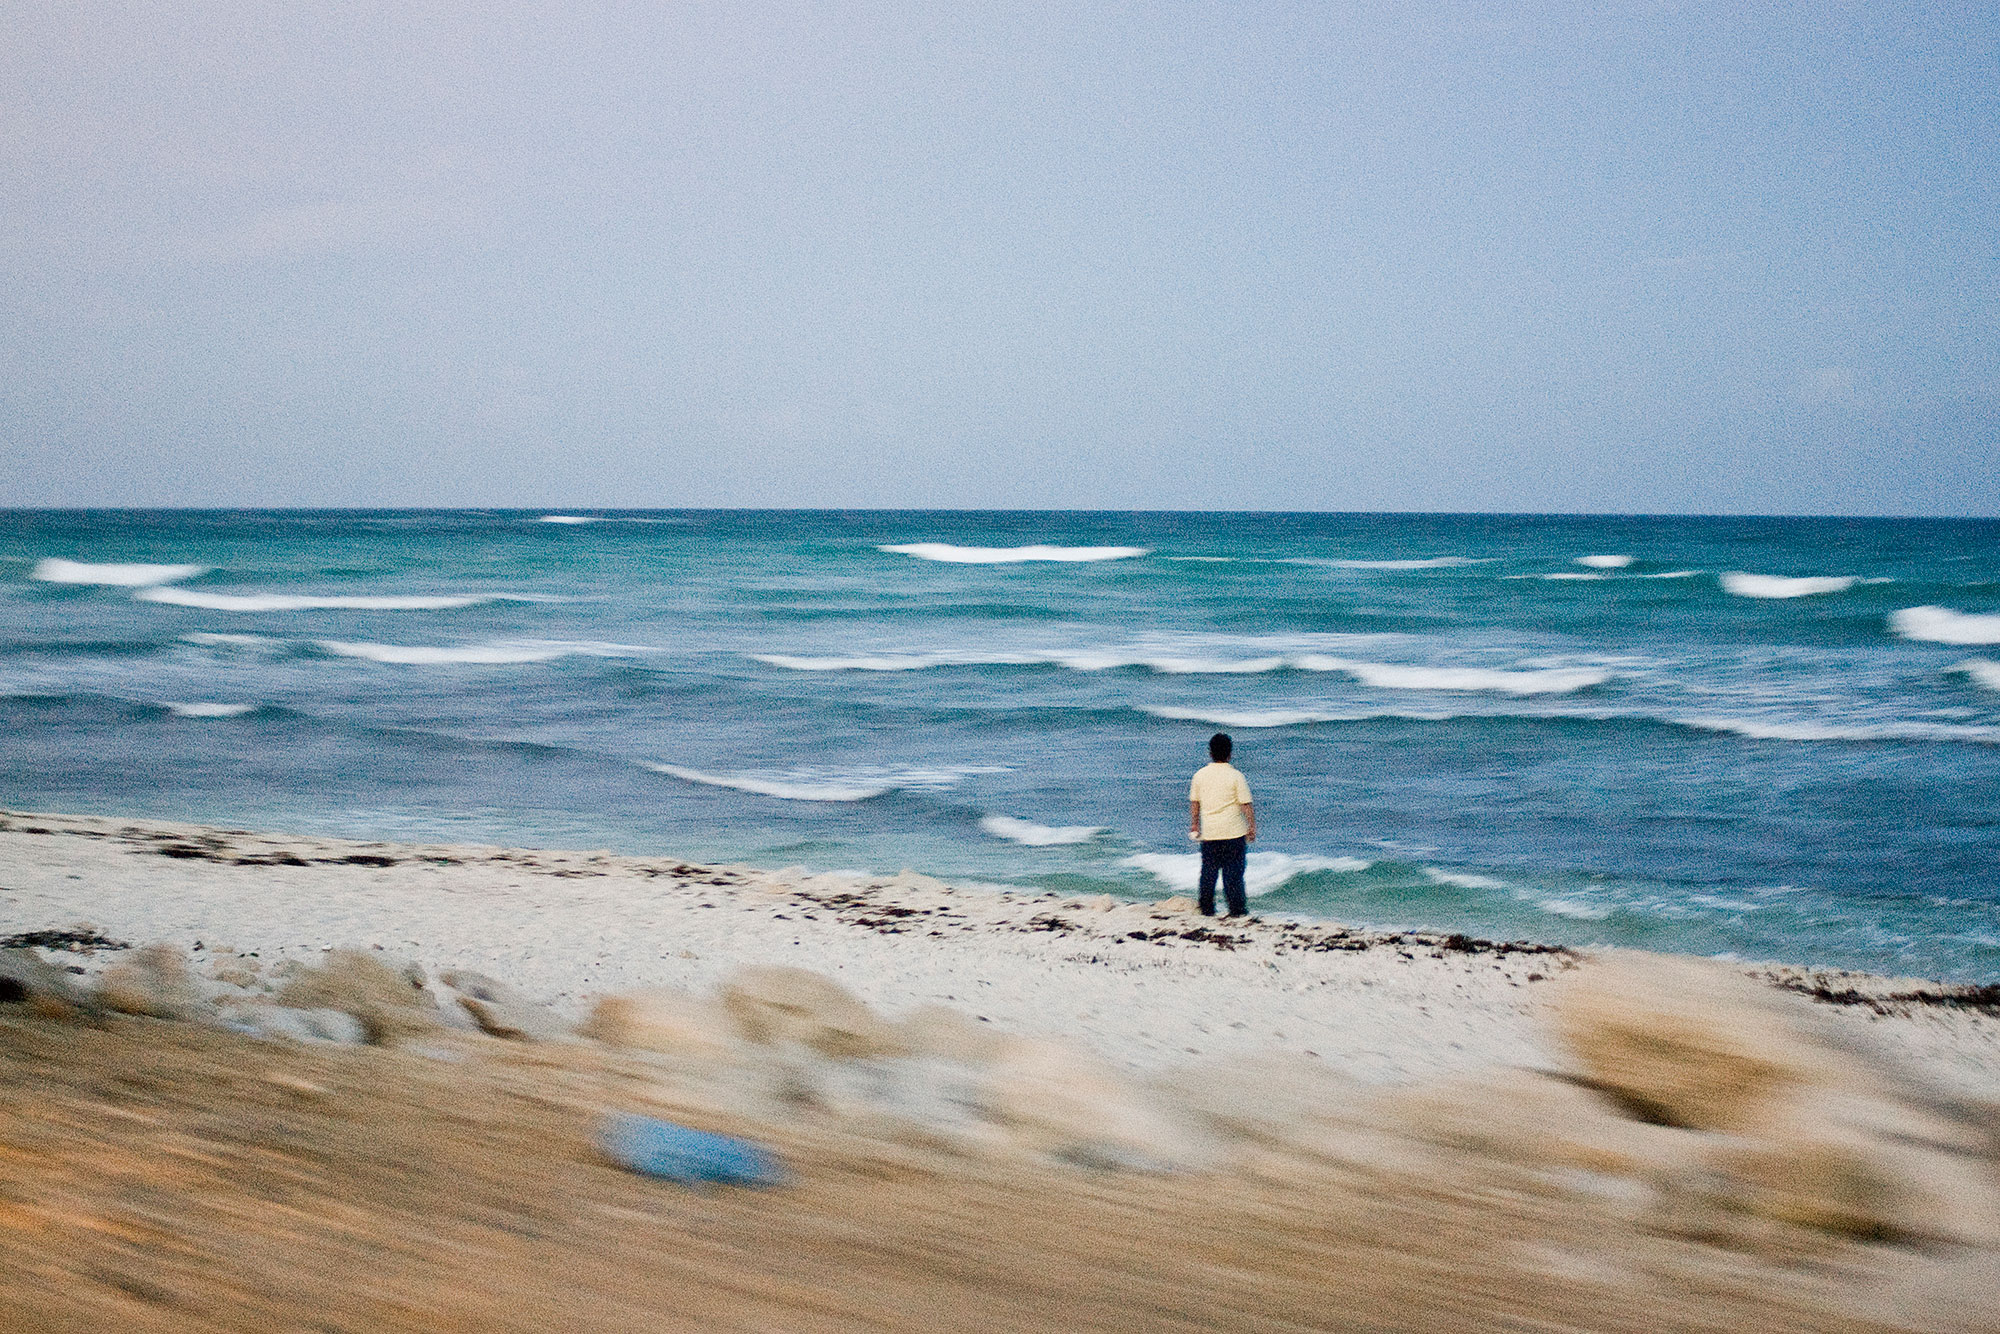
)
(567, 927)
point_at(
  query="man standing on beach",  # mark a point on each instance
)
(1220, 815)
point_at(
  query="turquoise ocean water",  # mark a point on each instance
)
(1770, 738)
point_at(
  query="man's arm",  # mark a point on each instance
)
(1250, 818)
(1194, 817)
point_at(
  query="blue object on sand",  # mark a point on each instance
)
(679, 1153)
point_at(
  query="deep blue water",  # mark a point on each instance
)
(1448, 721)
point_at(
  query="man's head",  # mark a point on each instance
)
(1219, 747)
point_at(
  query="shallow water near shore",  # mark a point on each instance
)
(1773, 738)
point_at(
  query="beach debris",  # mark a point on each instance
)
(152, 980)
(665, 1020)
(318, 1024)
(501, 1011)
(82, 938)
(390, 1002)
(26, 978)
(657, 1148)
(773, 1004)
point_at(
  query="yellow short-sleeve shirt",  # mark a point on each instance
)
(1223, 794)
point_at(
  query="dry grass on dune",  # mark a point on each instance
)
(162, 1176)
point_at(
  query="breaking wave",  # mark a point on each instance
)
(824, 784)
(1983, 670)
(1265, 871)
(1381, 675)
(1242, 717)
(55, 570)
(1031, 835)
(1604, 562)
(1426, 563)
(1784, 586)
(1392, 676)
(953, 554)
(1942, 625)
(515, 651)
(181, 597)
(200, 710)
(1770, 730)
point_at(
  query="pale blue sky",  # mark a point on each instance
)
(1612, 257)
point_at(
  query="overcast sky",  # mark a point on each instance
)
(1609, 257)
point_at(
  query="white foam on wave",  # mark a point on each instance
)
(55, 570)
(1784, 586)
(1759, 729)
(490, 654)
(1211, 560)
(1395, 676)
(1264, 872)
(1561, 575)
(1672, 574)
(1461, 879)
(1388, 676)
(181, 597)
(569, 518)
(201, 710)
(953, 554)
(797, 789)
(1942, 625)
(1604, 562)
(1241, 717)
(806, 784)
(1032, 835)
(1425, 563)
(1983, 670)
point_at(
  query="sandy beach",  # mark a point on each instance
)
(1005, 1111)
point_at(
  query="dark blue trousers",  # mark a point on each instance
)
(1224, 857)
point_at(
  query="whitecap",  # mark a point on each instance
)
(1770, 730)
(55, 570)
(1241, 717)
(569, 518)
(1604, 562)
(1983, 670)
(1942, 625)
(1561, 906)
(1426, 563)
(1264, 872)
(1461, 879)
(490, 654)
(1571, 574)
(200, 710)
(793, 789)
(896, 662)
(953, 554)
(1212, 560)
(1784, 586)
(1032, 835)
(1672, 574)
(1395, 676)
(181, 597)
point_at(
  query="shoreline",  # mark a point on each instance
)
(1146, 985)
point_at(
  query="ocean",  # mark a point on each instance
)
(1763, 738)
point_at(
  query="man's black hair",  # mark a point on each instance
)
(1219, 747)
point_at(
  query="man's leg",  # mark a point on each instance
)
(1232, 877)
(1211, 864)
